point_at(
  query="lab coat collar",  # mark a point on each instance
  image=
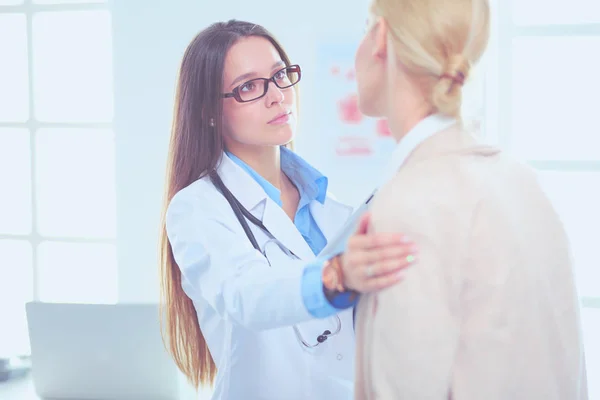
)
(329, 216)
(248, 192)
(311, 183)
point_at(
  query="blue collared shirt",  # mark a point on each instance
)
(311, 185)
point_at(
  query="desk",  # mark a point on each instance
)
(23, 389)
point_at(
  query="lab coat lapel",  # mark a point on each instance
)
(283, 229)
(243, 187)
(339, 231)
(330, 216)
(253, 197)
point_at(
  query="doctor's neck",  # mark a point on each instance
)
(265, 160)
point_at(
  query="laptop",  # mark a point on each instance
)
(100, 352)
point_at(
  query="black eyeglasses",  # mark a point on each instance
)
(257, 88)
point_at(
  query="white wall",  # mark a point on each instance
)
(149, 39)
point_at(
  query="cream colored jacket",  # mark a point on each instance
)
(490, 310)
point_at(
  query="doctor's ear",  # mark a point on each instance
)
(211, 120)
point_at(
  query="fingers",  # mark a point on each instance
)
(376, 282)
(385, 274)
(392, 265)
(390, 252)
(380, 262)
(366, 241)
(384, 281)
(374, 262)
(363, 224)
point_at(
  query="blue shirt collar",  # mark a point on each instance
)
(311, 184)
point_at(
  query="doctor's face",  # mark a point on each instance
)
(251, 116)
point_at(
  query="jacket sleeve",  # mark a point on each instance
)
(220, 266)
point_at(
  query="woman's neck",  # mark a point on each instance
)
(406, 106)
(403, 119)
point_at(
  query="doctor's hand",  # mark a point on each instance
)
(374, 261)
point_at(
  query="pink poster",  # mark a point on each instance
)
(356, 136)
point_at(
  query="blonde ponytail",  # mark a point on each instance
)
(447, 92)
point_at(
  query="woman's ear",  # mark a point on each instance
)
(380, 38)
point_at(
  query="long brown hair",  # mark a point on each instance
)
(195, 149)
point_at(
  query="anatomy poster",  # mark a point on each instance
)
(354, 149)
(355, 136)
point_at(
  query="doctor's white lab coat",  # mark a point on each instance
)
(246, 308)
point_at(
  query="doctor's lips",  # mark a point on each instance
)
(281, 118)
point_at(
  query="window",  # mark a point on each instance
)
(57, 159)
(541, 105)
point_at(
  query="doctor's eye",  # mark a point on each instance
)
(280, 75)
(248, 87)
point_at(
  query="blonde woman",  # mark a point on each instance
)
(491, 312)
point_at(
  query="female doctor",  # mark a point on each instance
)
(244, 218)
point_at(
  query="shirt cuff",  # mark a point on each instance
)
(313, 293)
(343, 300)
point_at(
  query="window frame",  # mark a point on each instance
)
(498, 90)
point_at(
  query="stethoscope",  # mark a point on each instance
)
(242, 214)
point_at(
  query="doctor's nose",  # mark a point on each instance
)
(274, 95)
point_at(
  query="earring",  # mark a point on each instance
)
(211, 122)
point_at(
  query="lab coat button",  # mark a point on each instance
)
(339, 356)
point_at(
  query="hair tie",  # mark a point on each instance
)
(459, 78)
